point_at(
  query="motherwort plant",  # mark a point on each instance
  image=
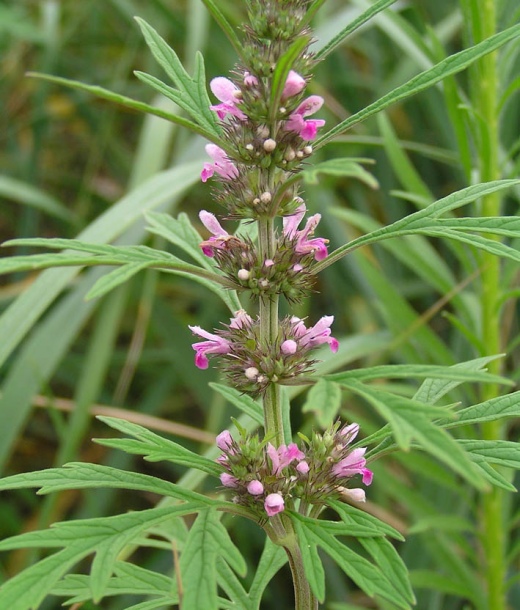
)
(307, 492)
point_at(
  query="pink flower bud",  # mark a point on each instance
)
(224, 440)
(289, 347)
(255, 488)
(274, 504)
(303, 467)
(293, 85)
(228, 480)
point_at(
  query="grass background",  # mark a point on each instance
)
(67, 159)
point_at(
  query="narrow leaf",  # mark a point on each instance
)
(241, 401)
(451, 65)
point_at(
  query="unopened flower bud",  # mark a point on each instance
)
(307, 149)
(289, 154)
(228, 480)
(357, 494)
(250, 147)
(274, 504)
(266, 197)
(303, 467)
(251, 372)
(269, 262)
(269, 145)
(224, 440)
(289, 347)
(255, 488)
(243, 274)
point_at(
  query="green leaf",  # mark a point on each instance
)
(199, 563)
(154, 447)
(432, 390)
(367, 576)
(311, 561)
(451, 65)
(409, 224)
(272, 559)
(128, 579)
(193, 92)
(127, 102)
(104, 536)
(232, 586)
(377, 7)
(80, 475)
(115, 278)
(241, 401)
(410, 420)
(490, 410)
(324, 400)
(502, 453)
(409, 371)
(343, 167)
(361, 523)
(391, 565)
(180, 232)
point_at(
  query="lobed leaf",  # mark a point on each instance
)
(80, 475)
(193, 91)
(154, 447)
(366, 575)
(198, 563)
(324, 400)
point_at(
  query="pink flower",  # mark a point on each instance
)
(293, 85)
(255, 488)
(220, 236)
(305, 245)
(274, 504)
(349, 433)
(224, 441)
(306, 128)
(316, 335)
(229, 94)
(354, 464)
(214, 345)
(221, 164)
(228, 480)
(283, 456)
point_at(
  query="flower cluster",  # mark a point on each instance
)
(287, 273)
(268, 479)
(251, 364)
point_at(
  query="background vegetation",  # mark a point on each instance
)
(68, 159)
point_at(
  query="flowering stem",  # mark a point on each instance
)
(269, 324)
